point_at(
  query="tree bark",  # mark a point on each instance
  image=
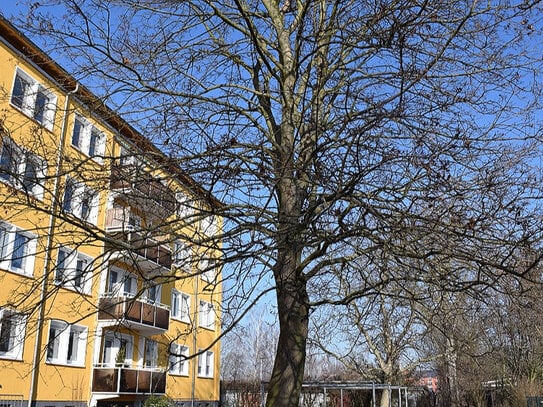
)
(385, 398)
(452, 374)
(292, 299)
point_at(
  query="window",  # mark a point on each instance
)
(180, 306)
(67, 344)
(81, 201)
(151, 354)
(32, 174)
(126, 157)
(17, 250)
(74, 270)
(185, 208)
(12, 334)
(121, 283)
(207, 315)
(85, 205)
(205, 364)
(179, 364)
(88, 139)
(207, 268)
(33, 99)
(134, 222)
(117, 349)
(8, 160)
(153, 293)
(210, 225)
(22, 169)
(181, 255)
(68, 199)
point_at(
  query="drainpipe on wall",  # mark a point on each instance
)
(48, 249)
(195, 342)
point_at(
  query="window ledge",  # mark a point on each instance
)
(98, 160)
(10, 184)
(60, 363)
(178, 374)
(178, 319)
(23, 112)
(72, 289)
(17, 272)
(10, 357)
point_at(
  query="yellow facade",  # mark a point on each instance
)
(106, 299)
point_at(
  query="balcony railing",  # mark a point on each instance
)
(128, 380)
(118, 218)
(150, 249)
(136, 313)
(142, 188)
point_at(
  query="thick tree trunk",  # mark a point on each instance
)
(288, 370)
(385, 398)
(452, 373)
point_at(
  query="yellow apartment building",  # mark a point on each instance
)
(108, 294)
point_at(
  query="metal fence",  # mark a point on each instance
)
(11, 400)
(534, 401)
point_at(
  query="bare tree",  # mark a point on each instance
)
(248, 349)
(353, 143)
(454, 329)
(511, 347)
(391, 331)
(384, 335)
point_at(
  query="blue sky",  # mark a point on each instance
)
(11, 7)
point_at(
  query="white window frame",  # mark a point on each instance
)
(179, 360)
(206, 360)
(85, 136)
(18, 162)
(81, 201)
(125, 285)
(206, 317)
(185, 208)
(20, 263)
(180, 309)
(16, 334)
(209, 225)
(150, 354)
(62, 341)
(181, 255)
(27, 103)
(127, 157)
(153, 298)
(117, 340)
(208, 269)
(70, 273)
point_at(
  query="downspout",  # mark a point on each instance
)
(195, 342)
(48, 250)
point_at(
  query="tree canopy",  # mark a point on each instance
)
(358, 147)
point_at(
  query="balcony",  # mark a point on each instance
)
(143, 190)
(148, 318)
(125, 380)
(150, 253)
